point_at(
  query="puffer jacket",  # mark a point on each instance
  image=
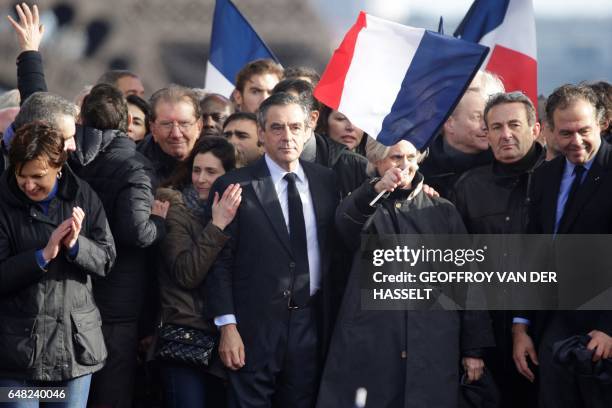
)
(50, 327)
(122, 178)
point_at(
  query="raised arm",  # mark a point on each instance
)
(29, 31)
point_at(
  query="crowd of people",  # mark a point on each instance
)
(194, 250)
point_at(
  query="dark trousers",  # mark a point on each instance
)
(190, 387)
(559, 388)
(291, 377)
(514, 389)
(113, 386)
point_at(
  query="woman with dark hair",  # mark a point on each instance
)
(141, 112)
(340, 129)
(54, 237)
(189, 249)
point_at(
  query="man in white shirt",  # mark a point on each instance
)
(267, 286)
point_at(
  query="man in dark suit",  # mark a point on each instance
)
(571, 194)
(265, 289)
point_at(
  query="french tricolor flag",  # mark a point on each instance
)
(507, 27)
(397, 82)
(233, 44)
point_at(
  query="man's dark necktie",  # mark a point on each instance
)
(297, 234)
(571, 198)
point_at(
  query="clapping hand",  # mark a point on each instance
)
(76, 221)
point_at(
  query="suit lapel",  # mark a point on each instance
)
(550, 196)
(590, 185)
(318, 195)
(266, 194)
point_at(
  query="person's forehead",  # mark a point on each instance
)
(291, 112)
(135, 111)
(205, 159)
(508, 111)
(577, 110)
(174, 108)
(66, 124)
(404, 148)
(129, 82)
(214, 106)
(265, 79)
(471, 101)
(242, 124)
(37, 165)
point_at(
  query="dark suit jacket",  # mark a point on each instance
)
(591, 214)
(253, 273)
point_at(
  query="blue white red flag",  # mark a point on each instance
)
(397, 82)
(507, 27)
(233, 44)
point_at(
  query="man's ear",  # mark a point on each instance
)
(314, 118)
(260, 138)
(238, 99)
(449, 125)
(536, 130)
(130, 120)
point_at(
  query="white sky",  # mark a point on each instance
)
(457, 8)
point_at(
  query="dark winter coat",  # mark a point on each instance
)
(163, 164)
(188, 250)
(442, 169)
(403, 358)
(121, 177)
(350, 167)
(50, 327)
(493, 199)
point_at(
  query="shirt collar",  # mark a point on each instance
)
(277, 172)
(569, 166)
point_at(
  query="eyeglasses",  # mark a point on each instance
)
(294, 128)
(167, 126)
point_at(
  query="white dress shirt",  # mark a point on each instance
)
(314, 259)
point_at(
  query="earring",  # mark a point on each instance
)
(59, 175)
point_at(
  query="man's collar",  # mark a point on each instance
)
(277, 172)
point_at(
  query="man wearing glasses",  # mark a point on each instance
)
(176, 124)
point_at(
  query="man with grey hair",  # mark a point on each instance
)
(44, 107)
(492, 199)
(462, 143)
(176, 124)
(269, 311)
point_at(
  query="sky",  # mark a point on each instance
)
(457, 8)
(567, 53)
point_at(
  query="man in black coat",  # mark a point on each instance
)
(266, 287)
(462, 144)
(571, 194)
(492, 199)
(107, 159)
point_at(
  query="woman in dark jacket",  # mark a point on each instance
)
(53, 237)
(189, 249)
(403, 358)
